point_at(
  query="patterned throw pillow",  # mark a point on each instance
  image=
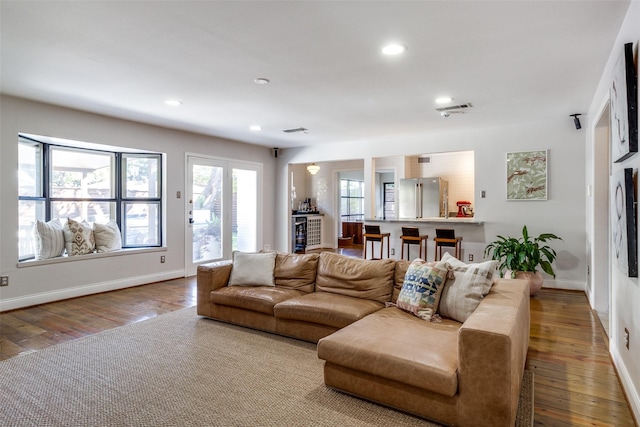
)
(78, 238)
(422, 287)
(48, 239)
(464, 293)
(107, 237)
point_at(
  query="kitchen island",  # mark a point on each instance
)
(469, 228)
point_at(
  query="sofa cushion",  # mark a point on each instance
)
(396, 345)
(253, 269)
(423, 284)
(296, 271)
(326, 309)
(462, 294)
(355, 277)
(254, 298)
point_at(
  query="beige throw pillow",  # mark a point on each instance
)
(252, 269)
(107, 237)
(48, 239)
(463, 294)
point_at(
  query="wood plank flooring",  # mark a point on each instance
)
(575, 382)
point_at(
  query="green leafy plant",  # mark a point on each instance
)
(523, 254)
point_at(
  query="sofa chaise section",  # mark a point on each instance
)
(459, 374)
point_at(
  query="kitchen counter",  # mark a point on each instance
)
(435, 220)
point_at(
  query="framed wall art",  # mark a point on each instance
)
(624, 107)
(527, 175)
(623, 222)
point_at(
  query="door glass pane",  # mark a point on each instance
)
(244, 210)
(207, 212)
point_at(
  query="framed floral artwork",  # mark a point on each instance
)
(527, 175)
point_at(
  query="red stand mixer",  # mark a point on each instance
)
(464, 208)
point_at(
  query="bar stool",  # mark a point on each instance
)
(372, 234)
(411, 236)
(447, 238)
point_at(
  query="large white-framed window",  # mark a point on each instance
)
(60, 180)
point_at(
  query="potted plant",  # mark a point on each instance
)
(520, 257)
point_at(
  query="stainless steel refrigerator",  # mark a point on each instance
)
(423, 198)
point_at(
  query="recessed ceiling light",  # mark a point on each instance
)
(261, 81)
(394, 49)
(255, 128)
(173, 102)
(444, 100)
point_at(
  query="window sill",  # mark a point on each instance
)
(62, 259)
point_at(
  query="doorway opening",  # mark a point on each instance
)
(600, 277)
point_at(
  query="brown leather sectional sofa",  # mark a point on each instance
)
(458, 374)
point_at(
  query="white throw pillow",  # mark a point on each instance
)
(78, 238)
(107, 237)
(462, 295)
(253, 269)
(48, 239)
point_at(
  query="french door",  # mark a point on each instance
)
(221, 203)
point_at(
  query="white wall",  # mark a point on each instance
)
(563, 214)
(37, 284)
(622, 292)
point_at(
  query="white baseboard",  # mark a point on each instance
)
(94, 288)
(572, 285)
(627, 383)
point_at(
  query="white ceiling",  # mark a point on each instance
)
(515, 61)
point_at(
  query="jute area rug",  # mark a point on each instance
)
(182, 370)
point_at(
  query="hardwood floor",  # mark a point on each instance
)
(575, 382)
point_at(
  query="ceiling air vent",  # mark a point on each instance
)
(460, 107)
(295, 130)
(424, 159)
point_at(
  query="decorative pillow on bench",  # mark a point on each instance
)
(422, 287)
(48, 239)
(107, 237)
(78, 237)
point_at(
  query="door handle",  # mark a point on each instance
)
(190, 220)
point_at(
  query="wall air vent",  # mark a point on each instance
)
(456, 108)
(305, 130)
(424, 159)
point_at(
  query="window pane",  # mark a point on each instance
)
(100, 212)
(141, 224)
(355, 189)
(142, 176)
(244, 210)
(29, 169)
(81, 174)
(29, 211)
(344, 188)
